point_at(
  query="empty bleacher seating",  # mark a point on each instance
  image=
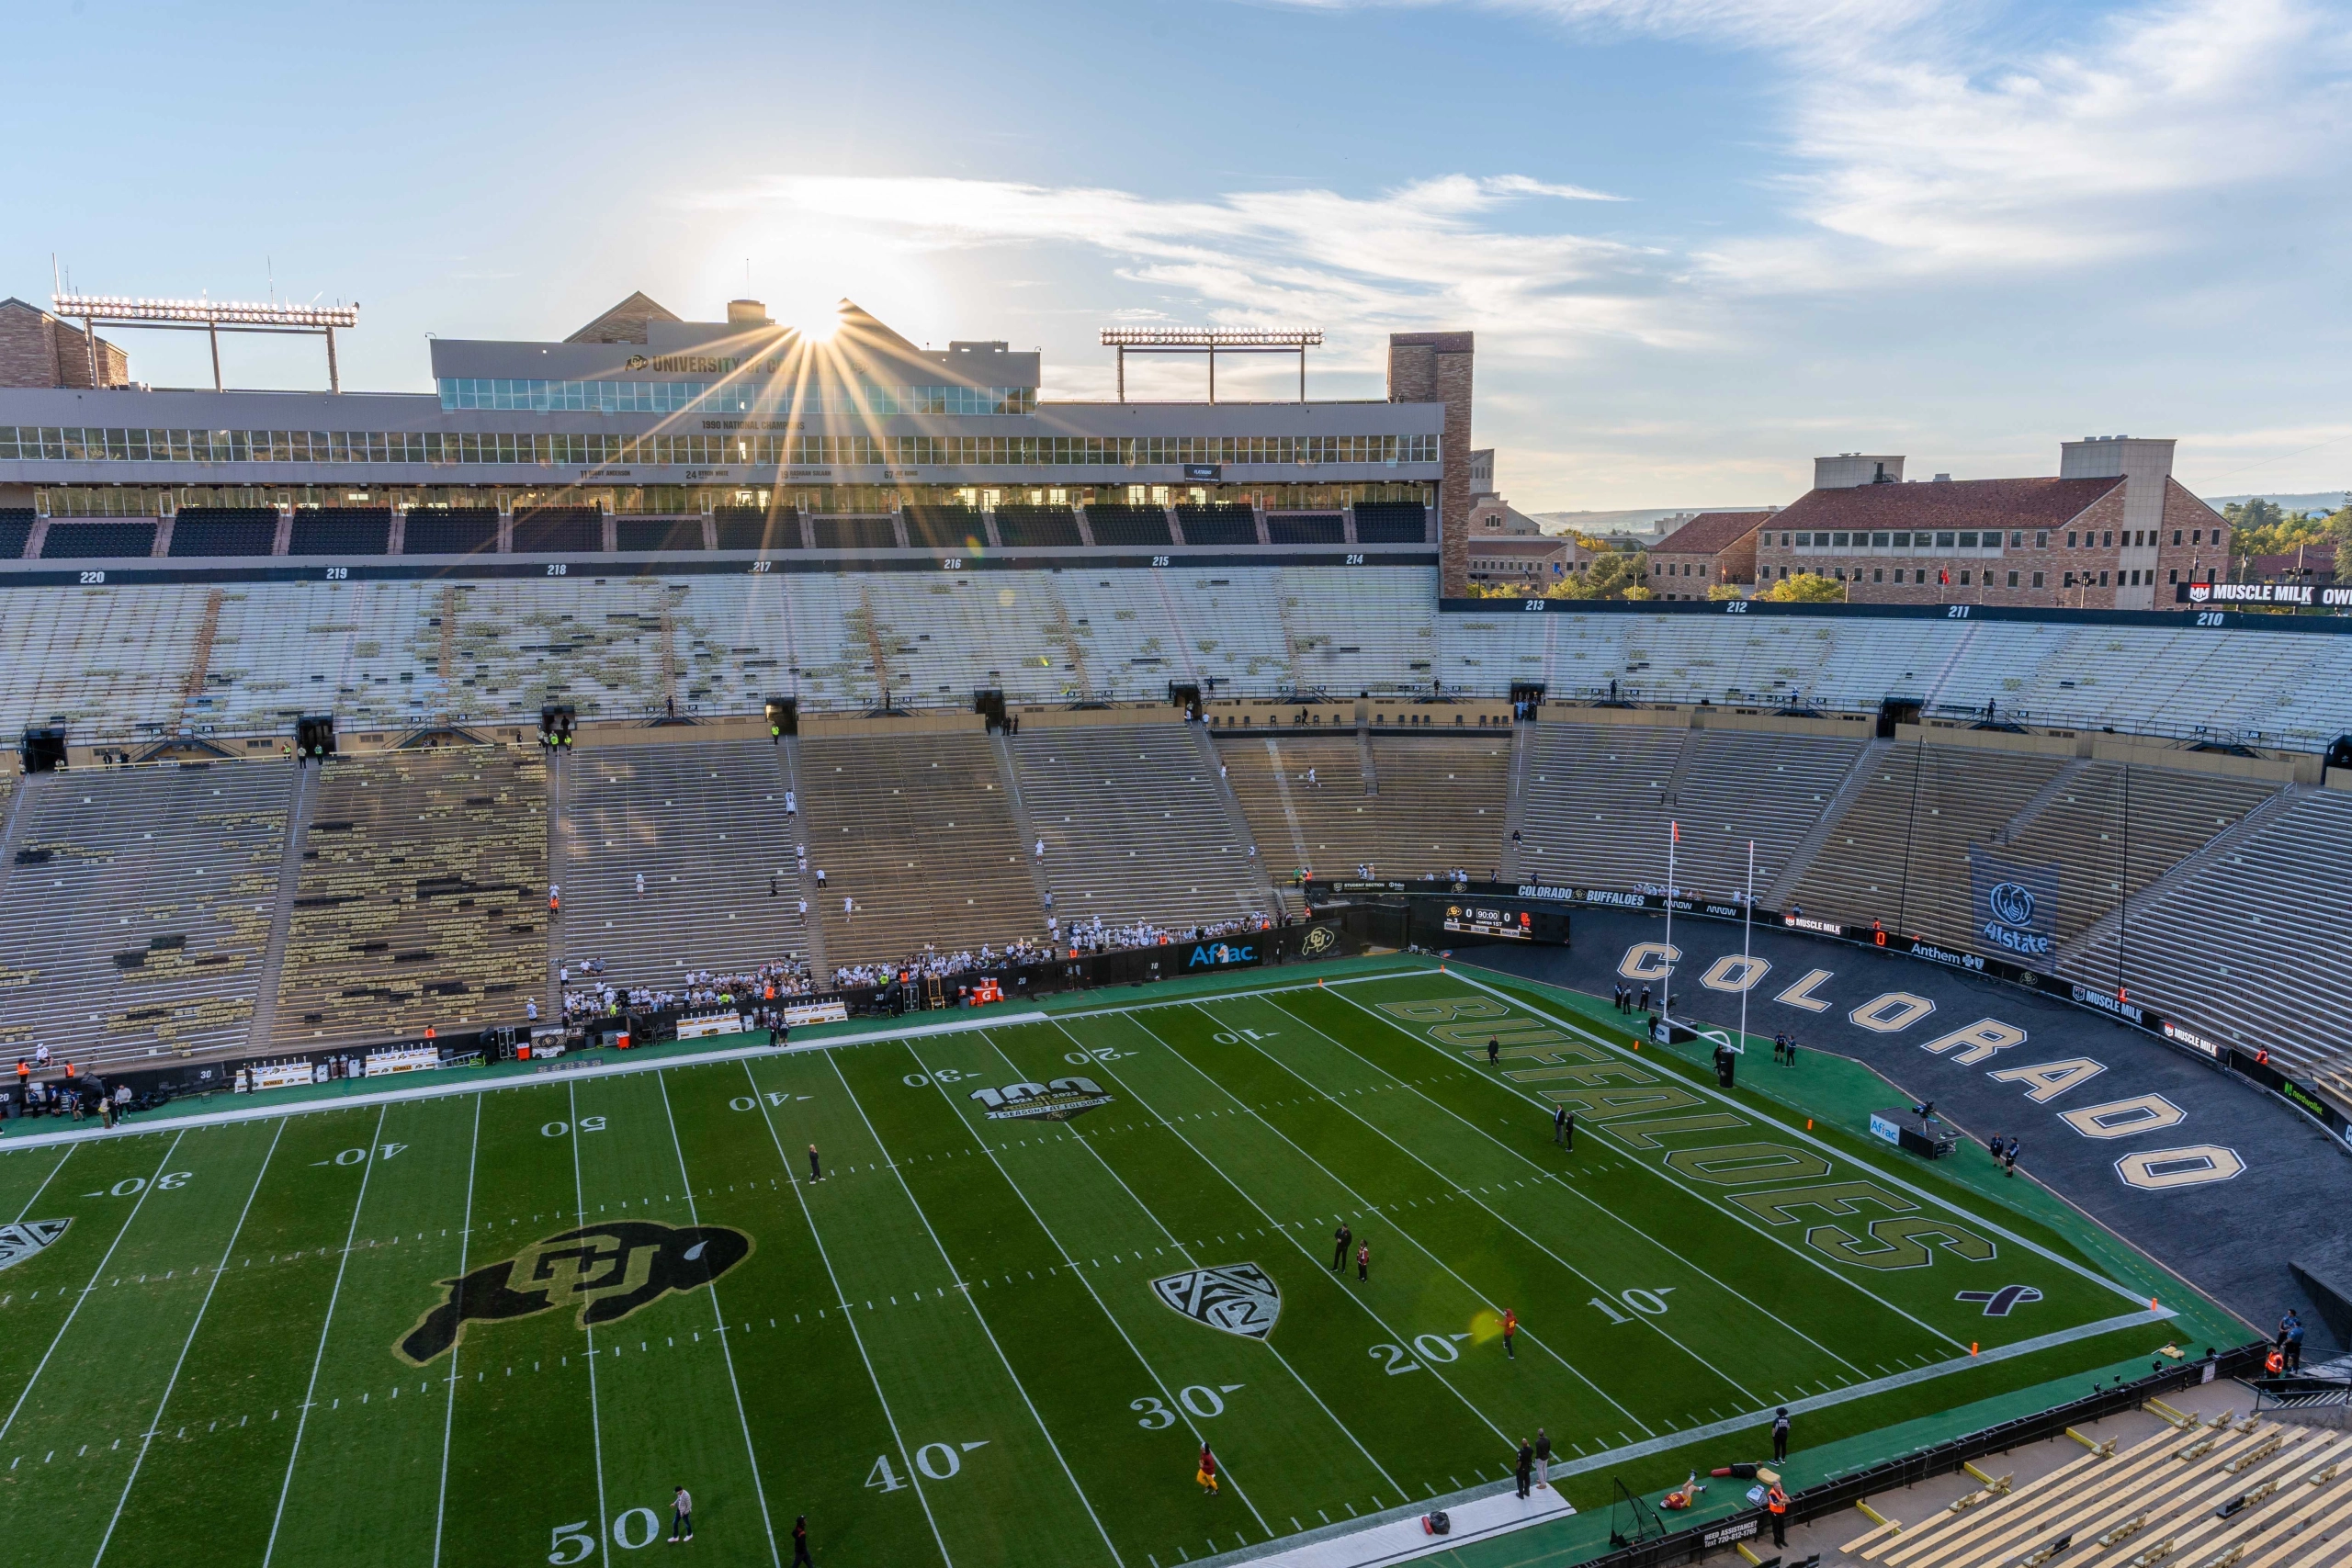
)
(224, 531)
(756, 529)
(1037, 526)
(15, 531)
(422, 898)
(1134, 826)
(1439, 804)
(451, 531)
(704, 823)
(944, 527)
(1391, 523)
(545, 530)
(659, 536)
(76, 540)
(139, 909)
(341, 531)
(1223, 524)
(846, 532)
(1117, 523)
(1306, 528)
(919, 830)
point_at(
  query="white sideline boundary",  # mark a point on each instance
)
(1394, 1534)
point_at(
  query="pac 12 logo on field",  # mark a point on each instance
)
(1239, 1298)
(26, 1238)
(607, 1271)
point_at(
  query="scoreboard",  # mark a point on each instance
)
(1507, 920)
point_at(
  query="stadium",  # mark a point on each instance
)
(767, 909)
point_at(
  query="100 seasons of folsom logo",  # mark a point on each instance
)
(608, 1272)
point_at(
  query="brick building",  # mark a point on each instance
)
(38, 350)
(1435, 367)
(1712, 548)
(2310, 564)
(1529, 563)
(2114, 530)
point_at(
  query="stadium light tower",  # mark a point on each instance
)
(1209, 341)
(212, 316)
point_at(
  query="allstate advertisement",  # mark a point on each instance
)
(2015, 908)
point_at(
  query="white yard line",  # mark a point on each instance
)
(318, 1360)
(449, 1416)
(1462, 1191)
(791, 1180)
(95, 1275)
(751, 1454)
(1283, 1229)
(44, 1183)
(1551, 1176)
(978, 1316)
(595, 1421)
(1166, 1393)
(1185, 1253)
(1828, 1148)
(148, 1437)
(1396, 1224)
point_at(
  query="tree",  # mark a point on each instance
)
(1805, 588)
(1613, 574)
(1725, 591)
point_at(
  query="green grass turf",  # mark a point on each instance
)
(949, 1349)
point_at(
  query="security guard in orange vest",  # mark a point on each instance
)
(2274, 1363)
(1777, 1501)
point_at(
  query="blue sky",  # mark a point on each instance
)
(1701, 241)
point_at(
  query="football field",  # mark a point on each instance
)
(1048, 1258)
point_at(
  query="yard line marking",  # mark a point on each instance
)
(310, 1390)
(2126, 1292)
(1789, 1247)
(1149, 1371)
(1932, 1371)
(1583, 1198)
(758, 1489)
(913, 1473)
(1476, 1294)
(45, 1181)
(449, 1417)
(1319, 1270)
(595, 1421)
(1185, 1253)
(85, 1292)
(979, 1316)
(1466, 1192)
(163, 1403)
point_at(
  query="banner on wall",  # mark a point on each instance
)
(2014, 908)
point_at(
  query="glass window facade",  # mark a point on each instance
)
(771, 397)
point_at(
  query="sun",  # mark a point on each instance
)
(816, 320)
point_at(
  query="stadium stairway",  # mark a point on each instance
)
(1023, 826)
(804, 879)
(1870, 759)
(281, 915)
(1261, 880)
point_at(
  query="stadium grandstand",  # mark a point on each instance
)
(686, 679)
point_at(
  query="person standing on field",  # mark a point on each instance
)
(1364, 1261)
(1560, 1125)
(1339, 1239)
(1493, 1052)
(1207, 1472)
(1543, 1457)
(681, 1517)
(1526, 1466)
(800, 1558)
(1511, 1328)
(815, 1172)
(1780, 1435)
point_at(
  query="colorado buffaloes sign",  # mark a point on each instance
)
(1239, 1298)
(607, 1271)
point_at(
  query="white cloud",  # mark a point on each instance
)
(1459, 251)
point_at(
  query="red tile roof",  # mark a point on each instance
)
(1947, 503)
(1711, 532)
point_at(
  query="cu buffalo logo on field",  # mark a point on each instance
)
(26, 1237)
(608, 1272)
(1239, 1298)
(2012, 904)
(2001, 1302)
(1056, 1100)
